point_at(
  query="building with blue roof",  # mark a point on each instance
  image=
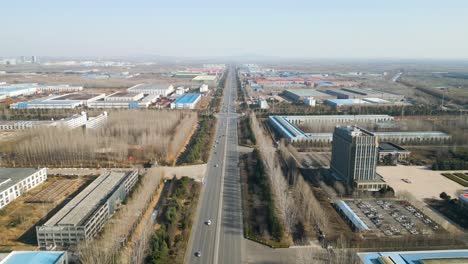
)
(416, 257)
(186, 101)
(35, 257)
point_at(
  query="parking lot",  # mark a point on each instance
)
(393, 217)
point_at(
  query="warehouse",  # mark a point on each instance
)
(158, 89)
(143, 102)
(97, 121)
(85, 215)
(63, 88)
(17, 90)
(422, 257)
(210, 80)
(186, 101)
(15, 181)
(374, 93)
(298, 95)
(124, 96)
(287, 127)
(66, 101)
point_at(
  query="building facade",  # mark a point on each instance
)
(86, 214)
(15, 181)
(354, 158)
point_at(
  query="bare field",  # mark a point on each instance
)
(424, 184)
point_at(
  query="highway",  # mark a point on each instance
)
(220, 199)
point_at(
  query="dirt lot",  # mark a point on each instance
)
(424, 184)
(18, 219)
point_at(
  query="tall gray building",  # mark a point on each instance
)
(354, 158)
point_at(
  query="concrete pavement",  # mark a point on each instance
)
(220, 201)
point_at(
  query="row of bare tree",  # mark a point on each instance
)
(106, 249)
(148, 134)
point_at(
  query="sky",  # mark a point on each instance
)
(427, 29)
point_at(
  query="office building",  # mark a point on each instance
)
(395, 152)
(15, 181)
(85, 215)
(354, 158)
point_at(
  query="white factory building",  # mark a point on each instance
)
(159, 89)
(66, 101)
(97, 121)
(15, 181)
(203, 88)
(124, 96)
(62, 88)
(210, 80)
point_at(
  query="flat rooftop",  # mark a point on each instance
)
(205, 78)
(308, 93)
(187, 98)
(423, 257)
(36, 257)
(11, 176)
(76, 212)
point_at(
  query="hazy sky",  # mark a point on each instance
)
(309, 28)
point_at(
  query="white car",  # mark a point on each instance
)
(216, 166)
(198, 254)
(208, 222)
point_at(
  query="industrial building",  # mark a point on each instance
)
(158, 89)
(203, 88)
(350, 216)
(286, 126)
(85, 215)
(352, 92)
(420, 257)
(351, 102)
(186, 101)
(16, 90)
(298, 95)
(354, 158)
(396, 152)
(66, 101)
(97, 121)
(72, 122)
(124, 96)
(63, 88)
(125, 100)
(210, 80)
(15, 181)
(36, 257)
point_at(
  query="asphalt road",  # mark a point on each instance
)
(220, 201)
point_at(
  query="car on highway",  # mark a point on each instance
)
(208, 222)
(217, 165)
(198, 254)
